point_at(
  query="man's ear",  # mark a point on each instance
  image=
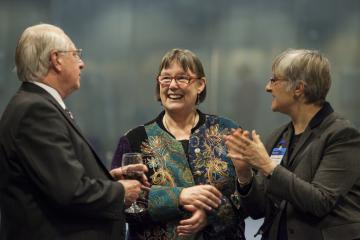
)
(55, 60)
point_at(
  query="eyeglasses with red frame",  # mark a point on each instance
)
(181, 80)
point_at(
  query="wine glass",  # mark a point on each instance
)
(129, 159)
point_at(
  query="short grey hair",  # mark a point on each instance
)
(32, 57)
(309, 66)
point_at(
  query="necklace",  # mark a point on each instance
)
(167, 126)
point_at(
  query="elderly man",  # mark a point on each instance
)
(307, 180)
(52, 183)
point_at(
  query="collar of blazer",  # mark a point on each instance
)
(286, 131)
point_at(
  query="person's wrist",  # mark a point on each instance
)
(181, 200)
(243, 181)
(268, 169)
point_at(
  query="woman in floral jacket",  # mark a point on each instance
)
(192, 179)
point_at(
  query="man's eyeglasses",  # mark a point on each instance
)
(181, 80)
(76, 52)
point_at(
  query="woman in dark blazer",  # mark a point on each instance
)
(307, 180)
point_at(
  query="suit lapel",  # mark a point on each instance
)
(77, 129)
(29, 87)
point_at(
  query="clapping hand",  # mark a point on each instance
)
(247, 152)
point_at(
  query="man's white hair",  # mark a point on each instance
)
(33, 50)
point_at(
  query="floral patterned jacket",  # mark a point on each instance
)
(174, 165)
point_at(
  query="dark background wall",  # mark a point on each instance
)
(124, 40)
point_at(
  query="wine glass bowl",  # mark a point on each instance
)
(130, 159)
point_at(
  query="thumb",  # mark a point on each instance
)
(189, 208)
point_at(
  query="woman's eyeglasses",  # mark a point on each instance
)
(181, 80)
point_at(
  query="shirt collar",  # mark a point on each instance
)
(321, 115)
(52, 92)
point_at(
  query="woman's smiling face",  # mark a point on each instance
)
(176, 96)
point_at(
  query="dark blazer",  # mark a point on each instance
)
(52, 183)
(319, 192)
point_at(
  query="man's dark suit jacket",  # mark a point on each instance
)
(319, 192)
(52, 183)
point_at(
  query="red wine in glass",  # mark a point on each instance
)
(129, 159)
(134, 175)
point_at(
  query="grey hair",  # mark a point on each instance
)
(309, 66)
(32, 57)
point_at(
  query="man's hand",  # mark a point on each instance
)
(120, 173)
(194, 224)
(201, 196)
(132, 190)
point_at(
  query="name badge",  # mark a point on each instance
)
(277, 154)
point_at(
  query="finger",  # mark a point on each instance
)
(245, 141)
(238, 132)
(130, 184)
(256, 137)
(145, 188)
(117, 173)
(209, 199)
(144, 180)
(190, 208)
(189, 222)
(213, 190)
(188, 229)
(246, 134)
(181, 234)
(202, 205)
(136, 167)
(134, 182)
(230, 132)
(235, 146)
(238, 140)
(236, 156)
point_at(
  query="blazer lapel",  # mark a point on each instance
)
(77, 129)
(274, 138)
(304, 139)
